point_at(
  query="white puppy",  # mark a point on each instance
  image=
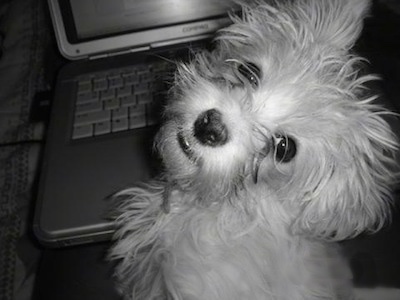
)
(273, 150)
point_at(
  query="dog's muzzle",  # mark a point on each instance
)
(210, 130)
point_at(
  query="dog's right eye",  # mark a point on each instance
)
(251, 73)
(285, 149)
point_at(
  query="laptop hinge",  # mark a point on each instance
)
(152, 46)
(116, 53)
(181, 41)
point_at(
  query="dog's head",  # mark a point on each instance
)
(279, 108)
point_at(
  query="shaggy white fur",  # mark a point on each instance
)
(272, 151)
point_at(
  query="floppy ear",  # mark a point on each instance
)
(336, 22)
(355, 193)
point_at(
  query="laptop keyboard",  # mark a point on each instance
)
(119, 100)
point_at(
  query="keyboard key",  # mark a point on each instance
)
(120, 125)
(138, 121)
(137, 110)
(107, 94)
(102, 128)
(140, 88)
(130, 78)
(120, 113)
(145, 77)
(115, 82)
(100, 84)
(160, 67)
(124, 91)
(128, 101)
(111, 103)
(144, 98)
(87, 97)
(94, 117)
(82, 131)
(88, 107)
(84, 86)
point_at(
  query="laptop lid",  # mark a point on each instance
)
(78, 175)
(86, 28)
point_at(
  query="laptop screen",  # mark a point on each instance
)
(91, 19)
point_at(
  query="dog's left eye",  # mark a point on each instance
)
(251, 72)
(285, 149)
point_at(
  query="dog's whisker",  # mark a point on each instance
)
(263, 130)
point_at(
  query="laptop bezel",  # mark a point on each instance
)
(130, 41)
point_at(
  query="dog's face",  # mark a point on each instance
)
(277, 109)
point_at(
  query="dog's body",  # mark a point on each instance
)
(197, 253)
(271, 154)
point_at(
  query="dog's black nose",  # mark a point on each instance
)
(210, 130)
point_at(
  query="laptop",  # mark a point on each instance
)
(106, 104)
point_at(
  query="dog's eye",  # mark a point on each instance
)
(285, 149)
(251, 72)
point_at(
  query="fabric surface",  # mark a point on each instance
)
(23, 37)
